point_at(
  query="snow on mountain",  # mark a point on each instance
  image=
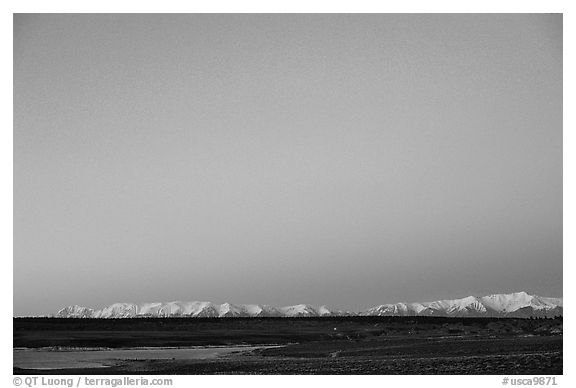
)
(117, 310)
(299, 310)
(256, 310)
(170, 309)
(75, 312)
(519, 304)
(551, 301)
(459, 307)
(229, 310)
(325, 311)
(513, 302)
(397, 309)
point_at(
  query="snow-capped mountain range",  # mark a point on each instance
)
(519, 304)
(196, 310)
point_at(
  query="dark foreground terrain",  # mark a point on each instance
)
(334, 345)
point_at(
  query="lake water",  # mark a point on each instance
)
(97, 358)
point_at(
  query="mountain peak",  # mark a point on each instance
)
(517, 304)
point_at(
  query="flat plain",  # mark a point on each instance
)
(330, 345)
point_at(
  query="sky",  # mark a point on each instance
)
(347, 160)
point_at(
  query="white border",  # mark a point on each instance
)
(287, 6)
(298, 6)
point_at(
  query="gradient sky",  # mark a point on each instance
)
(348, 160)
